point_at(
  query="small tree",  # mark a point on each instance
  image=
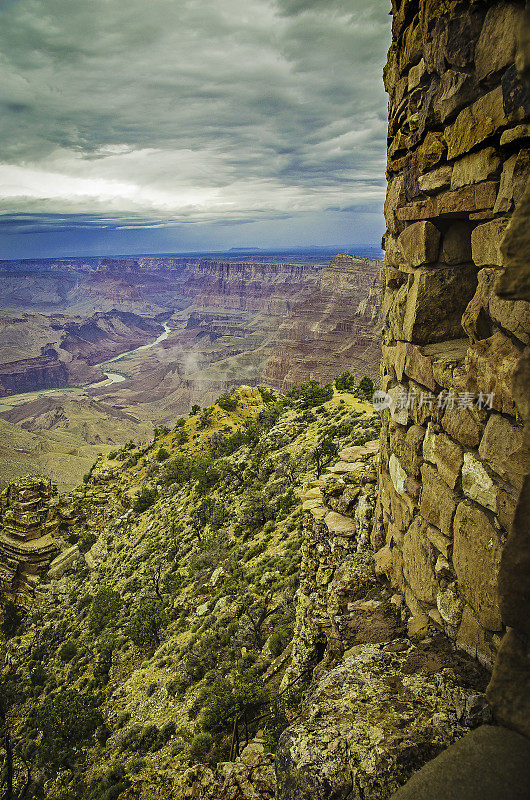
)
(67, 720)
(162, 454)
(345, 382)
(311, 393)
(323, 454)
(145, 624)
(105, 608)
(145, 498)
(366, 388)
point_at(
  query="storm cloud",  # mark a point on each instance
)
(145, 114)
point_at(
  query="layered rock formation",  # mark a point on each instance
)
(454, 443)
(29, 522)
(336, 328)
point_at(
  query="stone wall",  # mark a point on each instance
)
(454, 442)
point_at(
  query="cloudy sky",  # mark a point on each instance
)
(167, 125)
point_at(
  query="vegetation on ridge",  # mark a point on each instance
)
(181, 620)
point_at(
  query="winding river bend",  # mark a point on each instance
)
(11, 401)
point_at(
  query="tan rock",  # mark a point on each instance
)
(456, 247)
(419, 243)
(435, 303)
(515, 134)
(475, 167)
(503, 448)
(450, 605)
(409, 359)
(435, 180)
(486, 242)
(411, 452)
(339, 524)
(441, 542)
(418, 562)
(475, 123)
(491, 366)
(397, 474)
(476, 559)
(383, 561)
(513, 181)
(438, 502)
(464, 425)
(472, 640)
(448, 456)
(497, 43)
(477, 484)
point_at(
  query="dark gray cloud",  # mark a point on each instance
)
(191, 111)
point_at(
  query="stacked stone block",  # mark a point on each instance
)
(454, 454)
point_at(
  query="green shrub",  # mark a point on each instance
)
(162, 454)
(177, 470)
(68, 651)
(200, 746)
(311, 393)
(67, 720)
(226, 402)
(146, 622)
(105, 608)
(345, 382)
(12, 619)
(145, 498)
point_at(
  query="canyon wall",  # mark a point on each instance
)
(452, 530)
(336, 327)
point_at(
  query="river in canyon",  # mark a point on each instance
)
(12, 401)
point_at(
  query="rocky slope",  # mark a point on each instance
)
(173, 617)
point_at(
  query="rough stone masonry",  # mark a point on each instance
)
(453, 530)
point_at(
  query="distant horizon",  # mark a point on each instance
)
(236, 251)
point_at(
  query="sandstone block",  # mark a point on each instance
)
(416, 75)
(419, 243)
(513, 181)
(438, 501)
(486, 242)
(411, 455)
(418, 562)
(399, 415)
(434, 181)
(516, 134)
(509, 689)
(475, 123)
(441, 542)
(471, 638)
(464, 425)
(491, 367)
(456, 247)
(477, 484)
(435, 303)
(447, 358)
(476, 558)
(503, 448)
(411, 361)
(497, 43)
(457, 89)
(475, 167)
(65, 561)
(430, 152)
(445, 453)
(383, 561)
(395, 197)
(339, 524)
(397, 474)
(450, 605)
(467, 200)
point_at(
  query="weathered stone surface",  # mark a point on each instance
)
(419, 243)
(514, 577)
(497, 43)
(472, 639)
(360, 718)
(475, 167)
(418, 562)
(513, 181)
(503, 448)
(486, 242)
(339, 524)
(435, 303)
(464, 425)
(509, 689)
(516, 134)
(445, 453)
(477, 484)
(456, 247)
(493, 759)
(441, 542)
(476, 557)
(434, 181)
(63, 562)
(397, 474)
(450, 605)
(465, 200)
(457, 89)
(515, 282)
(475, 123)
(411, 452)
(490, 367)
(513, 316)
(438, 502)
